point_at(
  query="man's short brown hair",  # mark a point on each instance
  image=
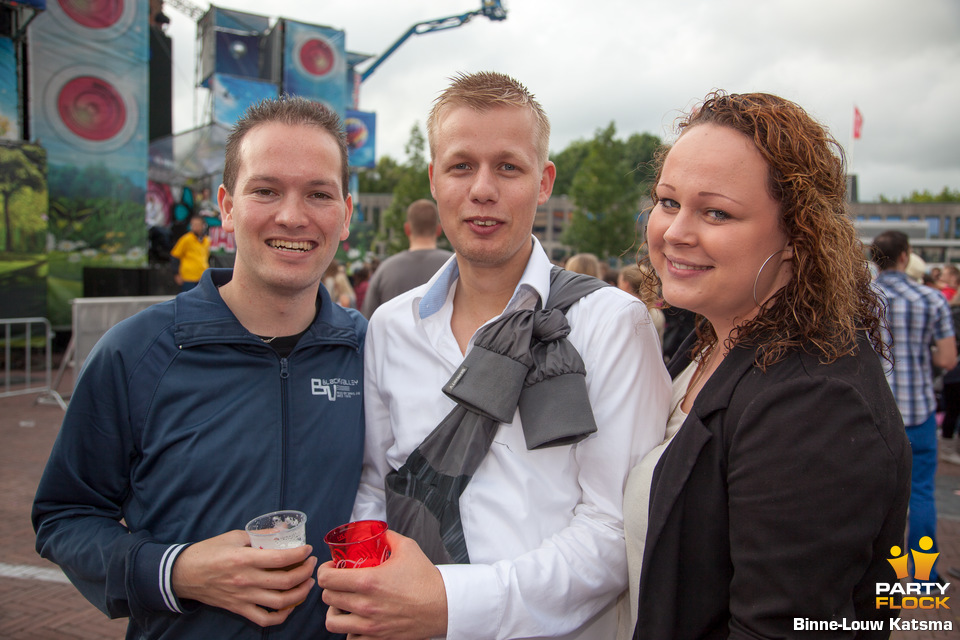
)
(291, 110)
(423, 218)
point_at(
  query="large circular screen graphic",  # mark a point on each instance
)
(93, 14)
(91, 108)
(96, 19)
(317, 57)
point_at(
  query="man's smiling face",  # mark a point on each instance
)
(287, 212)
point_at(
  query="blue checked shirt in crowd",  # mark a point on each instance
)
(916, 316)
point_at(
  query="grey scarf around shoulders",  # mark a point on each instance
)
(522, 360)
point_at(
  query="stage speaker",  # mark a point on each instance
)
(108, 282)
(8, 23)
(161, 85)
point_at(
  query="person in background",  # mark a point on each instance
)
(949, 446)
(916, 267)
(207, 209)
(612, 276)
(361, 282)
(949, 397)
(585, 263)
(784, 479)
(630, 279)
(413, 267)
(541, 527)
(198, 414)
(916, 319)
(330, 275)
(949, 281)
(193, 252)
(343, 293)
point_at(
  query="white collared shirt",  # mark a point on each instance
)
(544, 529)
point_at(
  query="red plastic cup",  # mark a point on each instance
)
(358, 544)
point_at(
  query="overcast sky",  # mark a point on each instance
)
(639, 63)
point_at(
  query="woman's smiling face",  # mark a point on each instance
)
(714, 227)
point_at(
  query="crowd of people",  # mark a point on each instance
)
(543, 470)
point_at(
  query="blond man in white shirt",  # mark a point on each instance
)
(544, 528)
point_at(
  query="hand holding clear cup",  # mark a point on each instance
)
(285, 529)
(278, 530)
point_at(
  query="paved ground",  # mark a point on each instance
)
(37, 603)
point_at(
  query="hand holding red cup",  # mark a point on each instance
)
(358, 544)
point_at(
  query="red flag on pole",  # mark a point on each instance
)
(857, 123)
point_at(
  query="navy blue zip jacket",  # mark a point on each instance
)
(185, 425)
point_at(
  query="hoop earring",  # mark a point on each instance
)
(757, 279)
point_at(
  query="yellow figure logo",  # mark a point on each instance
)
(899, 564)
(918, 594)
(922, 562)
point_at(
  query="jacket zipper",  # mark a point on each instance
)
(284, 375)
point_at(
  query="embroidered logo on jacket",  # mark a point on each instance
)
(335, 388)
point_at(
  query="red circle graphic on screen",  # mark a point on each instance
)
(91, 108)
(317, 57)
(93, 14)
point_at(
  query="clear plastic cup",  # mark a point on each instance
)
(278, 530)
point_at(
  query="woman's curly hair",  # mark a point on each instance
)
(829, 298)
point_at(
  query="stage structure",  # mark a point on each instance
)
(79, 119)
(87, 107)
(243, 58)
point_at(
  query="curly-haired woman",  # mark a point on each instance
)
(784, 481)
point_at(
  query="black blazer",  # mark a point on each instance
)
(780, 497)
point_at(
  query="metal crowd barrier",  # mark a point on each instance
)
(31, 383)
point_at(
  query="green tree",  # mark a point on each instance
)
(947, 195)
(925, 196)
(382, 179)
(606, 190)
(96, 207)
(28, 210)
(641, 148)
(412, 184)
(19, 169)
(568, 163)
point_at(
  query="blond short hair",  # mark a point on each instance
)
(483, 91)
(585, 263)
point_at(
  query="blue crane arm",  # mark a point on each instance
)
(492, 9)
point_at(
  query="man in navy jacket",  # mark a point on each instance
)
(237, 398)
